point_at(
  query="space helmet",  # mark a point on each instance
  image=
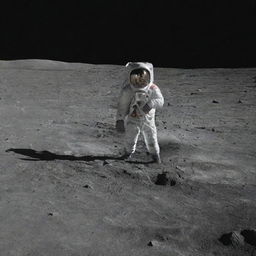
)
(140, 75)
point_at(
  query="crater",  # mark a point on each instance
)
(165, 179)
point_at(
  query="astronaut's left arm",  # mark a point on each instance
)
(156, 100)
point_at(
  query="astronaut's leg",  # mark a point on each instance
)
(131, 137)
(149, 132)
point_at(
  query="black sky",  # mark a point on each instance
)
(174, 33)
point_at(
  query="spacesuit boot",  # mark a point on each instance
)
(156, 158)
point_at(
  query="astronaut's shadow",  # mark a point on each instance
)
(33, 155)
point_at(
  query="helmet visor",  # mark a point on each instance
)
(140, 78)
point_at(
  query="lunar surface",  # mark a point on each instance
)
(66, 191)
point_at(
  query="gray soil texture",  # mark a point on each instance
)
(66, 191)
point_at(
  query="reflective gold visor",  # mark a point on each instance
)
(139, 78)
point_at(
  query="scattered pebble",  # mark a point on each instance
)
(105, 162)
(201, 127)
(126, 172)
(237, 239)
(153, 243)
(87, 186)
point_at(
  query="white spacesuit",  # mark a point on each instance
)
(137, 105)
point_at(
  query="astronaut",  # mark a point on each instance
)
(139, 99)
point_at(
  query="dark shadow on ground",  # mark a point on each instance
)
(49, 156)
(139, 162)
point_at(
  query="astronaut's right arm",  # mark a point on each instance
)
(122, 108)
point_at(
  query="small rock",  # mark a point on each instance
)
(215, 101)
(153, 243)
(87, 186)
(105, 162)
(168, 104)
(237, 239)
(249, 236)
(180, 168)
(50, 214)
(239, 102)
(126, 172)
(213, 130)
(201, 127)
